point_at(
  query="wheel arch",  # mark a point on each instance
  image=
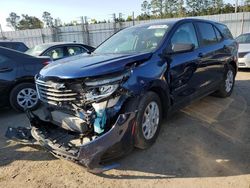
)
(26, 79)
(162, 91)
(234, 65)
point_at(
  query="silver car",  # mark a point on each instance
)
(244, 50)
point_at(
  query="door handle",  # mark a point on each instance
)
(200, 55)
(5, 69)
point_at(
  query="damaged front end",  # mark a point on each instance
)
(84, 120)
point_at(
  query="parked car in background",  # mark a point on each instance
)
(103, 104)
(19, 46)
(244, 50)
(17, 71)
(59, 50)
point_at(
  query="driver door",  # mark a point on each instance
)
(186, 69)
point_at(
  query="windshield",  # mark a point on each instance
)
(245, 38)
(134, 40)
(36, 50)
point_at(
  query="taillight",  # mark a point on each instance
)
(46, 63)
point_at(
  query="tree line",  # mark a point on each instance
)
(180, 8)
(151, 9)
(25, 21)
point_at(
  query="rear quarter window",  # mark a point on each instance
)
(225, 31)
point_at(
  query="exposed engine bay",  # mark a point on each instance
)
(85, 107)
(83, 120)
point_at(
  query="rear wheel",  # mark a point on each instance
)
(227, 85)
(148, 120)
(24, 96)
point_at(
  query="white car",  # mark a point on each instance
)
(244, 50)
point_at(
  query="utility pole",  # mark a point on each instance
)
(236, 5)
(1, 31)
(114, 25)
(86, 28)
(133, 17)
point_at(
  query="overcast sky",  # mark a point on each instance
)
(68, 10)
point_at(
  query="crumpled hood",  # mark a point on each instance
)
(87, 65)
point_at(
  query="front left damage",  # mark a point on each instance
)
(84, 120)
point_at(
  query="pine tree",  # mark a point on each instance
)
(146, 7)
(157, 7)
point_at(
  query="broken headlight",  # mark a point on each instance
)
(101, 92)
(103, 88)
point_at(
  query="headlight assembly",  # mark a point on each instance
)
(101, 92)
(103, 88)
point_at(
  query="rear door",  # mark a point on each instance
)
(7, 77)
(212, 55)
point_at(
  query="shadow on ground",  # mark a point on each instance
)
(11, 151)
(209, 138)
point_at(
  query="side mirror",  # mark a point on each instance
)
(180, 48)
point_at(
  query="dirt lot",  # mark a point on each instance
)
(206, 144)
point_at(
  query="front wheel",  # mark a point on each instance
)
(227, 85)
(148, 120)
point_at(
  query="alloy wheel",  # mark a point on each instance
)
(150, 120)
(229, 81)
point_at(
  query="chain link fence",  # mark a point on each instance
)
(94, 34)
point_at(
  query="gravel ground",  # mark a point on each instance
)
(207, 144)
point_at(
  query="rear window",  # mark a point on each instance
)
(225, 31)
(21, 47)
(207, 33)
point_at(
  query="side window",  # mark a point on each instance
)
(185, 34)
(207, 33)
(56, 53)
(74, 50)
(218, 34)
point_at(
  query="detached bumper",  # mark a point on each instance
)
(92, 154)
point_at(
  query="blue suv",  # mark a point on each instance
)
(99, 106)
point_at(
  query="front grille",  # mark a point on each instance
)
(54, 93)
(242, 54)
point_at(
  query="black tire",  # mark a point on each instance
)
(14, 93)
(223, 92)
(140, 140)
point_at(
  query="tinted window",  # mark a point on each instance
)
(218, 34)
(75, 50)
(225, 31)
(185, 34)
(243, 38)
(207, 33)
(56, 53)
